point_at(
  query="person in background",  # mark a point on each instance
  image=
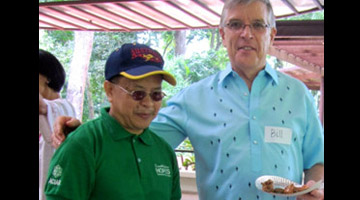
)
(51, 80)
(117, 156)
(248, 120)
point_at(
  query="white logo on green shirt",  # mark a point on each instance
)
(162, 170)
(57, 171)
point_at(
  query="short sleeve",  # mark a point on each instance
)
(71, 172)
(313, 146)
(171, 121)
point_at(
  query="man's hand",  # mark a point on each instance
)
(313, 195)
(62, 127)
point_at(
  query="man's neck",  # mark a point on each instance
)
(248, 75)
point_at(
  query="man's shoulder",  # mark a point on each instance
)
(87, 130)
(289, 80)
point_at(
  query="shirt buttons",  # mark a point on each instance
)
(134, 140)
(255, 142)
(139, 160)
(254, 117)
(245, 94)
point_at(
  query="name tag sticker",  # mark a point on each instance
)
(278, 135)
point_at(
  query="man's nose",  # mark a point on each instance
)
(147, 101)
(247, 32)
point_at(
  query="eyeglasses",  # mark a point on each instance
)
(139, 95)
(237, 25)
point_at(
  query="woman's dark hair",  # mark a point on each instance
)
(51, 68)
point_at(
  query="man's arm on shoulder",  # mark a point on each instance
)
(63, 125)
(170, 123)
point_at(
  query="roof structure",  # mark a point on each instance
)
(154, 15)
(300, 43)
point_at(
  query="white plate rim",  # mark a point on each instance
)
(283, 182)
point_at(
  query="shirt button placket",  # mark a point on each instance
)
(254, 132)
(138, 159)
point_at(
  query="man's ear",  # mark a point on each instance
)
(109, 90)
(272, 35)
(222, 34)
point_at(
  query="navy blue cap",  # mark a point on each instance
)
(136, 61)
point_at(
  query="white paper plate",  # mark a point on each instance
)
(280, 182)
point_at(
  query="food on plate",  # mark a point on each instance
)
(289, 189)
(278, 190)
(268, 186)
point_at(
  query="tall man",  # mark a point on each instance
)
(248, 120)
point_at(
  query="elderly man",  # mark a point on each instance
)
(116, 156)
(248, 120)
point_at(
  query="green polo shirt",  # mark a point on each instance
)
(101, 160)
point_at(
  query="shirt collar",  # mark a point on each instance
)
(223, 74)
(117, 132)
(229, 72)
(272, 72)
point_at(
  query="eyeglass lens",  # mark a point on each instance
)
(140, 95)
(238, 25)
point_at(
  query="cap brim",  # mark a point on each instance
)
(146, 71)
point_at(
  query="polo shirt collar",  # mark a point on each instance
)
(117, 132)
(229, 72)
(146, 137)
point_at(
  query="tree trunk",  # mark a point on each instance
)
(79, 70)
(180, 39)
(89, 98)
(218, 40)
(212, 39)
(215, 41)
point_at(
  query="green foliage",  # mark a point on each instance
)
(189, 157)
(318, 15)
(193, 69)
(104, 43)
(189, 161)
(61, 45)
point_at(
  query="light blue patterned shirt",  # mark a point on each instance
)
(240, 135)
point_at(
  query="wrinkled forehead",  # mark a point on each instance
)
(264, 5)
(247, 13)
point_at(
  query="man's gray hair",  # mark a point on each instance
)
(231, 3)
